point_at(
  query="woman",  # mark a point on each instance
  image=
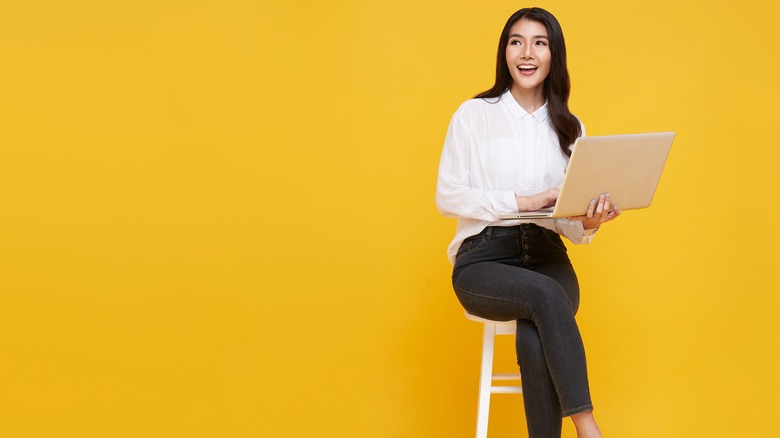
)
(506, 151)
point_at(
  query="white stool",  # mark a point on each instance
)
(486, 378)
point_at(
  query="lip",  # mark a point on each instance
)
(530, 70)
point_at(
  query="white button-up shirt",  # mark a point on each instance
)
(493, 151)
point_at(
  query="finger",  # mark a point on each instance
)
(615, 213)
(607, 211)
(600, 206)
(591, 207)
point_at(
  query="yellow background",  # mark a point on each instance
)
(217, 218)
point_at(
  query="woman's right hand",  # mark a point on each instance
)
(538, 201)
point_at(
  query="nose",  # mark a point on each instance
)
(527, 52)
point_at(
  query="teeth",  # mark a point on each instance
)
(527, 67)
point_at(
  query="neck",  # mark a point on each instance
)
(529, 99)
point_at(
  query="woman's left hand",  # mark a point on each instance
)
(599, 212)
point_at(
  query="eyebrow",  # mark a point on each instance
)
(535, 36)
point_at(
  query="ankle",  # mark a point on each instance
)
(586, 425)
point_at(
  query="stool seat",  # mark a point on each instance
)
(487, 377)
(506, 327)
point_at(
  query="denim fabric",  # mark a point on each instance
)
(523, 273)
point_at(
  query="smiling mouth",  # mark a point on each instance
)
(527, 68)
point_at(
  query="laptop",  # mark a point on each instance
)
(627, 166)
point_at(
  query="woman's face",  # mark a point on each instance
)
(528, 54)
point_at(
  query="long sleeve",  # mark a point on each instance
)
(455, 194)
(574, 231)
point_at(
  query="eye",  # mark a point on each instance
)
(514, 42)
(541, 43)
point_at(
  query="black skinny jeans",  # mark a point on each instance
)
(523, 273)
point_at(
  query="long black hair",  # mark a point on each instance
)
(556, 86)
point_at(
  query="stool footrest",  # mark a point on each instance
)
(506, 389)
(506, 376)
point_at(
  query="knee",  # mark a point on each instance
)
(552, 299)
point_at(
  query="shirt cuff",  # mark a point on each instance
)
(510, 202)
(574, 231)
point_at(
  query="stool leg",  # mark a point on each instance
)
(485, 380)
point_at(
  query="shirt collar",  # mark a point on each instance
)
(518, 112)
